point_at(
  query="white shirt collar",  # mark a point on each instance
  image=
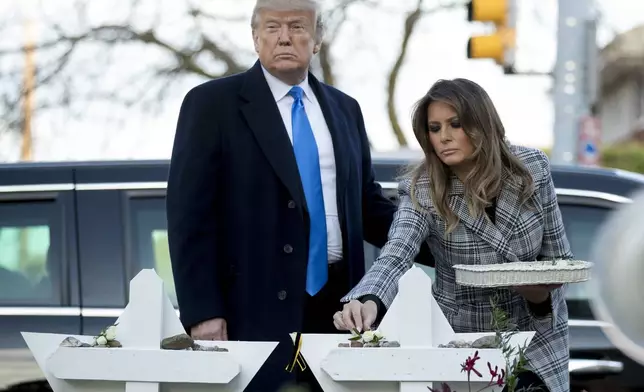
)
(281, 89)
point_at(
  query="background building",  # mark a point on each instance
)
(621, 102)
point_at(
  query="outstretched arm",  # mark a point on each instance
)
(410, 229)
(377, 210)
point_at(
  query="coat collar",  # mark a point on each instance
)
(507, 211)
(280, 89)
(263, 117)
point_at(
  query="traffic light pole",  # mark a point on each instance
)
(574, 76)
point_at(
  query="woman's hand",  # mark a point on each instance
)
(536, 293)
(356, 315)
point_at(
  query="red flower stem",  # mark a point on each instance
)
(491, 383)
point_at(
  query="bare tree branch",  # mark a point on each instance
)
(411, 21)
(335, 19)
(63, 76)
(85, 65)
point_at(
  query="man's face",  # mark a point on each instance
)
(285, 43)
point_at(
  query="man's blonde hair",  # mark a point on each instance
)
(291, 5)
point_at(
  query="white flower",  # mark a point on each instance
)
(368, 336)
(110, 333)
(101, 340)
(378, 335)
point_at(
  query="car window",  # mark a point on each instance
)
(581, 223)
(150, 240)
(30, 268)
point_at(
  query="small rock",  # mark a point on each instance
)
(71, 341)
(442, 346)
(356, 344)
(344, 345)
(459, 344)
(486, 342)
(199, 347)
(389, 344)
(177, 342)
(370, 344)
(114, 343)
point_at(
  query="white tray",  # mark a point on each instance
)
(523, 273)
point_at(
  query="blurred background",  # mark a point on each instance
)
(88, 80)
(90, 94)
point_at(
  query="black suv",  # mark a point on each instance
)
(72, 235)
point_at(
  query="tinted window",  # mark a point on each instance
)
(150, 240)
(582, 223)
(30, 239)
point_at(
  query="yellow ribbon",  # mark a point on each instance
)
(297, 356)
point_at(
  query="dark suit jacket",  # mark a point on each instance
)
(237, 220)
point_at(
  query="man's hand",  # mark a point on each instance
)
(213, 329)
(536, 293)
(356, 315)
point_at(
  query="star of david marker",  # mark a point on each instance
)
(416, 321)
(140, 365)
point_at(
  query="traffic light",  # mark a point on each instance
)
(500, 45)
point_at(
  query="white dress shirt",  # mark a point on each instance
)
(323, 139)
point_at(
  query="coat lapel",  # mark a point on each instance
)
(262, 114)
(507, 207)
(494, 235)
(337, 128)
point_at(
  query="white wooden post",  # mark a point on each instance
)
(150, 331)
(141, 365)
(416, 321)
(415, 303)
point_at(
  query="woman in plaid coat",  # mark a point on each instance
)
(475, 199)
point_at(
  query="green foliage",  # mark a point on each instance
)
(628, 156)
(625, 156)
(515, 358)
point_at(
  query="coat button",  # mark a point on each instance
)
(288, 248)
(281, 295)
(291, 204)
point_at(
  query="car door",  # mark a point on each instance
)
(148, 236)
(103, 242)
(595, 364)
(38, 270)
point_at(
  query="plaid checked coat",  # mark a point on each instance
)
(521, 233)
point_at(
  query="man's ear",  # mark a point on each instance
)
(256, 41)
(316, 48)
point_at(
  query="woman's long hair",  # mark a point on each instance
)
(493, 162)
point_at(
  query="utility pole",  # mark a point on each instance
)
(575, 77)
(26, 151)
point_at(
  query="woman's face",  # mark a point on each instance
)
(450, 143)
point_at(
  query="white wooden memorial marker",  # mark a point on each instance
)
(140, 364)
(415, 321)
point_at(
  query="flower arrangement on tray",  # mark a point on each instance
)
(515, 359)
(556, 271)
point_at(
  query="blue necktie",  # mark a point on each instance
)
(308, 162)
